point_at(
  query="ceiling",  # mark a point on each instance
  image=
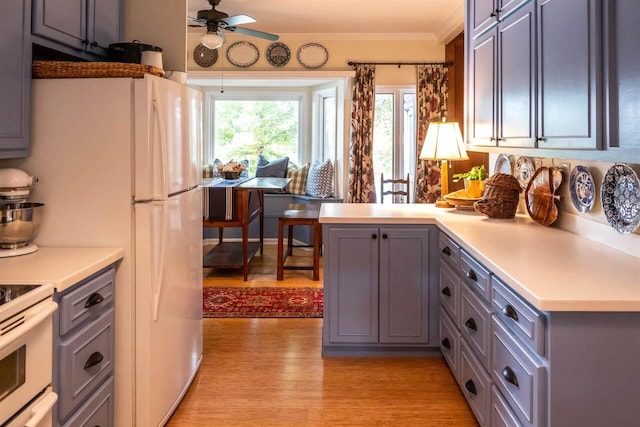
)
(405, 18)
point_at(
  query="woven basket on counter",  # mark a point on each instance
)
(500, 198)
(69, 69)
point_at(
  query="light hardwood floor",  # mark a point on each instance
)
(269, 372)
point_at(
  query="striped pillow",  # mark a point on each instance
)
(298, 183)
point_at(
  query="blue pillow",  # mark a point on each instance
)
(276, 168)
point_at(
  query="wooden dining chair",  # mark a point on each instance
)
(393, 192)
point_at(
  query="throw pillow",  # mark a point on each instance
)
(276, 168)
(320, 179)
(298, 183)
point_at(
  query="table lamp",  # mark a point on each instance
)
(443, 143)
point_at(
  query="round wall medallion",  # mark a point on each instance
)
(278, 54)
(242, 54)
(204, 56)
(312, 55)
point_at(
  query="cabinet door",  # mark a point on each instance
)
(15, 84)
(352, 287)
(482, 90)
(404, 285)
(482, 15)
(506, 7)
(516, 82)
(63, 21)
(568, 74)
(103, 24)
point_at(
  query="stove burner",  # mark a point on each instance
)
(11, 292)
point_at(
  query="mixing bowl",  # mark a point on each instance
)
(19, 223)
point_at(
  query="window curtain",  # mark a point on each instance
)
(361, 180)
(431, 105)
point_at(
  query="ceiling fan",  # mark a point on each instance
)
(216, 21)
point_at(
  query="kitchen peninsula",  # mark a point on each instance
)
(538, 325)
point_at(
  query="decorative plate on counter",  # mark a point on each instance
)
(503, 165)
(243, 54)
(205, 57)
(312, 55)
(621, 198)
(582, 188)
(524, 171)
(278, 54)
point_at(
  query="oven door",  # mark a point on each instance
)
(26, 357)
(39, 413)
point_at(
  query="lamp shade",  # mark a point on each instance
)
(443, 142)
(212, 40)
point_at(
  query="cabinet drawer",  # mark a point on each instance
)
(85, 360)
(474, 274)
(501, 415)
(475, 324)
(449, 290)
(475, 383)
(520, 376)
(97, 411)
(450, 343)
(521, 319)
(449, 250)
(86, 300)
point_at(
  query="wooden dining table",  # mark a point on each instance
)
(248, 205)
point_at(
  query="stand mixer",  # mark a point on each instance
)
(19, 220)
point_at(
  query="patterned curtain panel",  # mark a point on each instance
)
(361, 181)
(431, 99)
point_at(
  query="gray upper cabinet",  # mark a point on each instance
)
(85, 26)
(15, 85)
(569, 114)
(484, 14)
(482, 90)
(621, 41)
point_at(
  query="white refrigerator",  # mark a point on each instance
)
(118, 162)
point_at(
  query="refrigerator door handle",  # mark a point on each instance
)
(161, 167)
(159, 230)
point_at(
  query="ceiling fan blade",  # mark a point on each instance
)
(232, 21)
(254, 33)
(199, 22)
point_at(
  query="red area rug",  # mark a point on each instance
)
(262, 302)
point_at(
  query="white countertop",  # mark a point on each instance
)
(63, 267)
(553, 269)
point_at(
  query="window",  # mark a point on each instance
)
(394, 134)
(325, 118)
(245, 125)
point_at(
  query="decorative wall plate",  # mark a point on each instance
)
(312, 55)
(243, 54)
(582, 188)
(278, 54)
(621, 198)
(204, 56)
(503, 165)
(524, 171)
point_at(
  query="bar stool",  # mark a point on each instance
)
(291, 218)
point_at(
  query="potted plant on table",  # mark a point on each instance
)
(473, 181)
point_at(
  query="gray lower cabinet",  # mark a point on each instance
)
(15, 84)
(378, 282)
(84, 334)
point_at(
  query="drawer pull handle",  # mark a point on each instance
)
(471, 387)
(446, 343)
(446, 251)
(94, 299)
(384, 236)
(93, 360)
(510, 376)
(374, 236)
(446, 291)
(471, 275)
(511, 312)
(471, 324)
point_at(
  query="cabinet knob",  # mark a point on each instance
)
(94, 44)
(374, 236)
(510, 376)
(493, 14)
(446, 291)
(541, 139)
(471, 275)
(384, 236)
(94, 299)
(471, 387)
(509, 311)
(446, 343)
(446, 250)
(471, 324)
(85, 41)
(94, 359)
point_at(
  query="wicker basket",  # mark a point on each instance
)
(500, 198)
(497, 208)
(69, 69)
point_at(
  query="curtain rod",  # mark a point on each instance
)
(399, 64)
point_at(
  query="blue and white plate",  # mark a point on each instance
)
(582, 188)
(525, 169)
(621, 198)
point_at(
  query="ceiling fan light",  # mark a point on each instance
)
(212, 40)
